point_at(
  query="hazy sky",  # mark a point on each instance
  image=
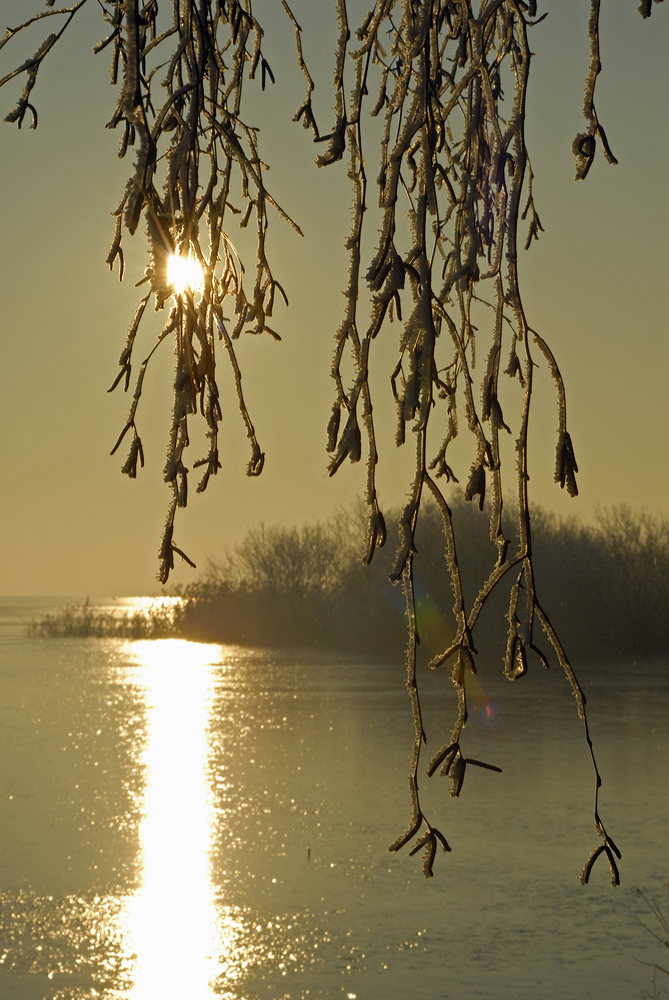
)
(594, 287)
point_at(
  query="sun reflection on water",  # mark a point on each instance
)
(172, 924)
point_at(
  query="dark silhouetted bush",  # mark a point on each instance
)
(605, 587)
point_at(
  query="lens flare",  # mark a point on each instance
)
(185, 273)
(488, 713)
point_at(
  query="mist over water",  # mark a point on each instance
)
(194, 820)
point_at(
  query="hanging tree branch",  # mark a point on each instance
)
(180, 68)
(453, 162)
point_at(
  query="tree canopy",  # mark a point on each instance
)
(445, 84)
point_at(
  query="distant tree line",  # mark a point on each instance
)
(605, 586)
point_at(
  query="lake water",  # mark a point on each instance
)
(183, 821)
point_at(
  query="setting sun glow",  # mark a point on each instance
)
(185, 273)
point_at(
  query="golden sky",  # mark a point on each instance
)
(594, 287)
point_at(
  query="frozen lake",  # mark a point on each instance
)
(183, 821)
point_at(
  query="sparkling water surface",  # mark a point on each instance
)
(184, 821)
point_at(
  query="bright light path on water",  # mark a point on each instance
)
(173, 921)
(185, 272)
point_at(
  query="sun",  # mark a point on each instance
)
(185, 273)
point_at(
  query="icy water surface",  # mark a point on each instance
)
(184, 821)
